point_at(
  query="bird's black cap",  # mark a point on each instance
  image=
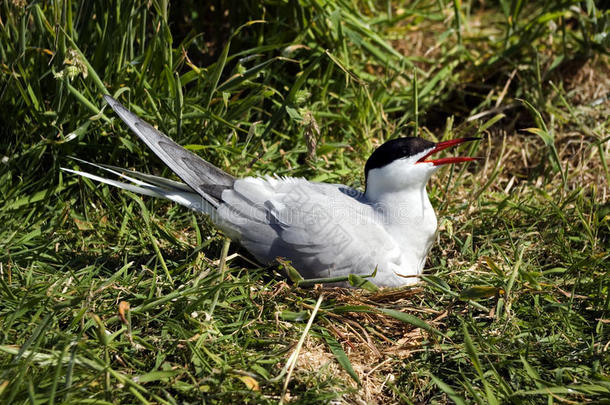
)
(396, 149)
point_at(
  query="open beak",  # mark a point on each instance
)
(448, 160)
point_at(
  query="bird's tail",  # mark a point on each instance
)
(150, 185)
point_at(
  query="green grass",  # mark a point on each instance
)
(107, 297)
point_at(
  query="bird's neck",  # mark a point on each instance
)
(409, 218)
(402, 208)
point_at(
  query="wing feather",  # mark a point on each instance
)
(193, 170)
(323, 230)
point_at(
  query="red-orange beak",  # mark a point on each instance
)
(448, 160)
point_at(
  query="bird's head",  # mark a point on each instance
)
(404, 163)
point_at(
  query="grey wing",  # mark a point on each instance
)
(322, 230)
(330, 237)
(203, 177)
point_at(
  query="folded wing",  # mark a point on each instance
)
(325, 230)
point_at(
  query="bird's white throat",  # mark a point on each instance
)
(398, 193)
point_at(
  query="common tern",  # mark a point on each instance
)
(324, 230)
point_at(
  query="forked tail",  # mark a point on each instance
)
(152, 186)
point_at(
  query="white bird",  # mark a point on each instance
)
(324, 230)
